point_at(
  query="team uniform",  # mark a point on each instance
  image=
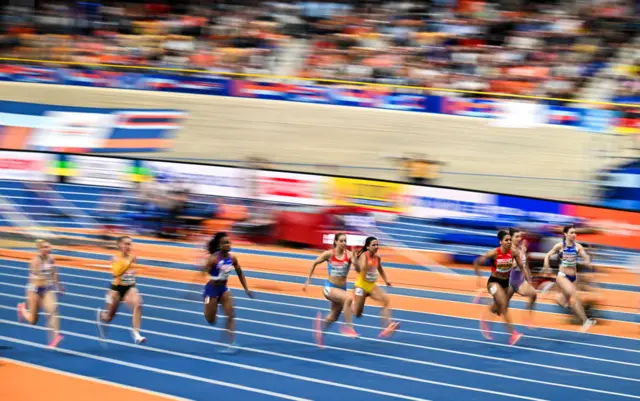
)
(366, 281)
(123, 281)
(338, 268)
(218, 277)
(44, 274)
(503, 264)
(568, 259)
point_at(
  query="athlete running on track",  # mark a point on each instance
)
(123, 289)
(503, 258)
(568, 251)
(368, 264)
(218, 266)
(335, 288)
(520, 280)
(41, 292)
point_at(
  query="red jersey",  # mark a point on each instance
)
(503, 262)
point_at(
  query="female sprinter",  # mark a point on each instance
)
(219, 265)
(503, 258)
(41, 291)
(123, 288)
(519, 279)
(568, 251)
(335, 288)
(368, 264)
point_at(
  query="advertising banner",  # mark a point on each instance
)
(375, 196)
(198, 179)
(72, 130)
(433, 203)
(300, 189)
(33, 126)
(23, 166)
(99, 171)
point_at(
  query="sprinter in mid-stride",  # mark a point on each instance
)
(504, 258)
(123, 289)
(218, 266)
(41, 292)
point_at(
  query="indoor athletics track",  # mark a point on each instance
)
(438, 354)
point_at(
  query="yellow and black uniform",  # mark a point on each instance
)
(124, 276)
(368, 276)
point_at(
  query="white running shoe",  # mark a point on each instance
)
(137, 338)
(587, 325)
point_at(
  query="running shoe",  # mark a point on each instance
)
(515, 337)
(230, 349)
(485, 330)
(56, 340)
(348, 331)
(587, 325)
(138, 338)
(389, 330)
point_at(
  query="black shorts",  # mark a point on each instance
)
(122, 289)
(502, 282)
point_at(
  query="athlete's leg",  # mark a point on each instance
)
(50, 304)
(388, 326)
(133, 299)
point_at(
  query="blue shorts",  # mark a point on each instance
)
(41, 290)
(328, 285)
(212, 290)
(571, 278)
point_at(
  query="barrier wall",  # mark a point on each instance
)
(479, 156)
(622, 229)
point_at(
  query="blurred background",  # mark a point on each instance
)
(430, 125)
(445, 98)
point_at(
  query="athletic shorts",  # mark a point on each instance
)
(502, 282)
(40, 290)
(122, 289)
(328, 285)
(571, 277)
(212, 290)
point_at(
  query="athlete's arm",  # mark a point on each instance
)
(56, 277)
(33, 266)
(121, 267)
(552, 251)
(482, 259)
(584, 255)
(382, 273)
(241, 277)
(355, 261)
(323, 257)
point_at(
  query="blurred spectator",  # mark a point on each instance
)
(535, 48)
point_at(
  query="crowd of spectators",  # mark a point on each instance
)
(532, 48)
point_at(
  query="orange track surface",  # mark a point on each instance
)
(22, 382)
